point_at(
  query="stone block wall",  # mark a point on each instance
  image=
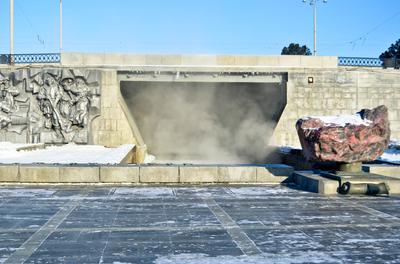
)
(337, 91)
(111, 128)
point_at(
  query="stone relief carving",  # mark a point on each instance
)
(48, 106)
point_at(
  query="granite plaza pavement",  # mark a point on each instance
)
(249, 224)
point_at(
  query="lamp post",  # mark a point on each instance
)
(61, 27)
(314, 4)
(11, 29)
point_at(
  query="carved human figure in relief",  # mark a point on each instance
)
(77, 106)
(7, 102)
(50, 106)
(82, 102)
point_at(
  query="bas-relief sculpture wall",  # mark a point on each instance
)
(48, 105)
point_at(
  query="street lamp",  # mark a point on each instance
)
(61, 27)
(314, 3)
(11, 29)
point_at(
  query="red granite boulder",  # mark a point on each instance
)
(347, 138)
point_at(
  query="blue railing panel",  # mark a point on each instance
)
(360, 62)
(30, 58)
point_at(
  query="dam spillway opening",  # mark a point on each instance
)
(230, 119)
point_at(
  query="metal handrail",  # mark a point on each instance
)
(360, 62)
(30, 58)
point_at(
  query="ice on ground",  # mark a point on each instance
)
(145, 192)
(342, 120)
(65, 154)
(304, 257)
(254, 191)
(24, 192)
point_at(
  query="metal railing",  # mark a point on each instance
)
(30, 58)
(360, 62)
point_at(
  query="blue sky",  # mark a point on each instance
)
(345, 27)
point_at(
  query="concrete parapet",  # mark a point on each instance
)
(146, 174)
(159, 174)
(198, 174)
(39, 173)
(9, 173)
(79, 174)
(123, 60)
(237, 174)
(119, 174)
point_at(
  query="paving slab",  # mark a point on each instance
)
(219, 224)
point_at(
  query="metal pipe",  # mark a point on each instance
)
(61, 27)
(364, 188)
(315, 28)
(11, 29)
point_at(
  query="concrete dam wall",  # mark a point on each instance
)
(206, 108)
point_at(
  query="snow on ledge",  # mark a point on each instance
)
(65, 154)
(342, 120)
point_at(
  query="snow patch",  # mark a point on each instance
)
(342, 120)
(65, 154)
(23, 192)
(146, 192)
(255, 191)
(392, 154)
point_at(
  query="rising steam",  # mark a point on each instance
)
(218, 122)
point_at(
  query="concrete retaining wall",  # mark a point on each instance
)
(338, 91)
(160, 174)
(334, 90)
(129, 60)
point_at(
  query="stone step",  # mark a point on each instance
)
(313, 182)
(383, 169)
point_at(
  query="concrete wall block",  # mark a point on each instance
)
(200, 60)
(9, 173)
(289, 61)
(171, 60)
(131, 59)
(72, 59)
(79, 174)
(268, 61)
(159, 174)
(119, 174)
(274, 173)
(246, 60)
(94, 59)
(113, 59)
(382, 169)
(240, 174)
(39, 174)
(199, 174)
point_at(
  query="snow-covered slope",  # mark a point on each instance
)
(65, 154)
